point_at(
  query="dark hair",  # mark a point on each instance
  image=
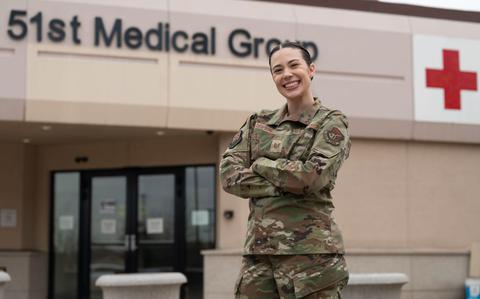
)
(305, 55)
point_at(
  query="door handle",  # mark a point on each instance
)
(127, 243)
(130, 243)
(133, 242)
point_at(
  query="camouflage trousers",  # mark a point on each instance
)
(309, 276)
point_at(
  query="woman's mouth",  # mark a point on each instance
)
(291, 85)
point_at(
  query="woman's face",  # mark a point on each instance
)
(291, 73)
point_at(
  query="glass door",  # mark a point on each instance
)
(110, 241)
(130, 220)
(156, 229)
(132, 224)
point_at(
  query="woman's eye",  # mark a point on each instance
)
(294, 65)
(277, 71)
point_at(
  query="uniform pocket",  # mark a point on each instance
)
(324, 278)
(273, 143)
(238, 283)
(240, 279)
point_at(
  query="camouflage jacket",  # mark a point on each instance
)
(287, 167)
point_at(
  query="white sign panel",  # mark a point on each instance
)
(446, 78)
(65, 222)
(8, 218)
(200, 218)
(108, 226)
(108, 206)
(155, 226)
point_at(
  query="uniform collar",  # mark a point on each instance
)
(305, 117)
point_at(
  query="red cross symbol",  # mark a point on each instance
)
(451, 79)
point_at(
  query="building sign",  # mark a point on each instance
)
(446, 79)
(160, 37)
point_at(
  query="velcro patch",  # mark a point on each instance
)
(334, 136)
(276, 146)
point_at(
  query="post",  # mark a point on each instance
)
(4, 279)
(375, 286)
(141, 286)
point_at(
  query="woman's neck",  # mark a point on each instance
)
(297, 106)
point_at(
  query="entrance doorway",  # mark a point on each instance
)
(127, 221)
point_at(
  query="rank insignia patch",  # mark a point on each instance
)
(276, 146)
(236, 140)
(334, 136)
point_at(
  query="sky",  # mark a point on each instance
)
(471, 5)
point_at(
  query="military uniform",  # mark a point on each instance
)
(287, 167)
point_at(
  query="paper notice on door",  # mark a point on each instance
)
(108, 226)
(66, 222)
(155, 226)
(108, 206)
(200, 218)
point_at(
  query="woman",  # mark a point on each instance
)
(286, 161)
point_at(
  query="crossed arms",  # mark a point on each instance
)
(265, 177)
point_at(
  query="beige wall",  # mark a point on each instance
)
(29, 273)
(394, 195)
(409, 195)
(396, 185)
(12, 70)
(388, 194)
(16, 177)
(230, 232)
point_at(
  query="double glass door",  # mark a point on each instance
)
(132, 225)
(127, 221)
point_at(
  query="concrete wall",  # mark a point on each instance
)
(28, 271)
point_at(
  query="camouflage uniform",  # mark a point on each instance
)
(308, 276)
(287, 167)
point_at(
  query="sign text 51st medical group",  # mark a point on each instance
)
(161, 37)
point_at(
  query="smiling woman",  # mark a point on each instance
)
(286, 161)
(291, 76)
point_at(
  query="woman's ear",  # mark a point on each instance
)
(312, 68)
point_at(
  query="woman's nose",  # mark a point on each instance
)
(287, 74)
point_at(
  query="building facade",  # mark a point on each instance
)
(114, 116)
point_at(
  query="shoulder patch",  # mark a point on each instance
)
(236, 139)
(334, 136)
